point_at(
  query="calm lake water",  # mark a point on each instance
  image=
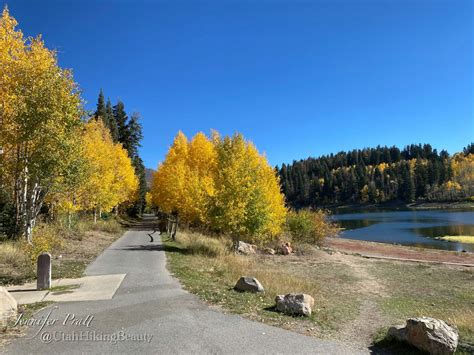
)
(415, 228)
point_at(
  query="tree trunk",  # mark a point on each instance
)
(34, 204)
(23, 203)
(95, 216)
(17, 192)
(175, 229)
(69, 219)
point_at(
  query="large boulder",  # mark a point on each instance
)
(246, 248)
(8, 307)
(295, 304)
(428, 334)
(248, 284)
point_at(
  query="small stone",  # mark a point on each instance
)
(269, 251)
(286, 248)
(246, 248)
(248, 284)
(295, 304)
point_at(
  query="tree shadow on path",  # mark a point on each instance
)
(166, 248)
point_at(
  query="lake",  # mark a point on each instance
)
(414, 228)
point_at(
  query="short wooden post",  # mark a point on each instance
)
(43, 272)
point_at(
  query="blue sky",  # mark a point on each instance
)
(299, 78)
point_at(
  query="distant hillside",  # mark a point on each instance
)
(376, 175)
(148, 176)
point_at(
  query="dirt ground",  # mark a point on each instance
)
(381, 250)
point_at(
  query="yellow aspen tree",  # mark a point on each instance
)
(40, 110)
(199, 181)
(168, 183)
(125, 182)
(111, 178)
(221, 183)
(248, 201)
(463, 173)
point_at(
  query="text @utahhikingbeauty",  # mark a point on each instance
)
(76, 329)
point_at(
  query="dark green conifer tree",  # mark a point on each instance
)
(121, 119)
(111, 123)
(100, 110)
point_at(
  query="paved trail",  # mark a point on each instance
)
(151, 302)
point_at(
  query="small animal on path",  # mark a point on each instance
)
(154, 231)
(150, 235)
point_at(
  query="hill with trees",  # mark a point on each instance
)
(377, 175)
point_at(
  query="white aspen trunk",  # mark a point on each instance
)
(95, 216)
(24, 201)
(69, 219)
(34, 206)
(17, 193)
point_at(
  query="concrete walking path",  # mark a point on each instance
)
(88, 288)
(151, 314)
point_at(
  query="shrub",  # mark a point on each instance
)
(46, 239)
(196, 243)
(310, 227)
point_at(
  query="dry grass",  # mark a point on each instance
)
(199, 244)
(350, 292)
(111, 226)
(213, 279)
(438, 291)
(15, 264)
(226, 263)
(72, 249)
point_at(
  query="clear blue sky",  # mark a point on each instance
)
(299, 78)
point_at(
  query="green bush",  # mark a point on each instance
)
(310, 227)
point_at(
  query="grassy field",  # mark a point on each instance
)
(76, 249)
(356, 299)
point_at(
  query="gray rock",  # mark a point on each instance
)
(246, 248)
(269, 251)
(8, 307)
(427, 334)
(295, 304)
(248, 284)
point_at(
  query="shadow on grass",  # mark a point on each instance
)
(393, 347)
(272, 309)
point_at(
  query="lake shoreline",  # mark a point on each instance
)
(399, 206)
(399, 252)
